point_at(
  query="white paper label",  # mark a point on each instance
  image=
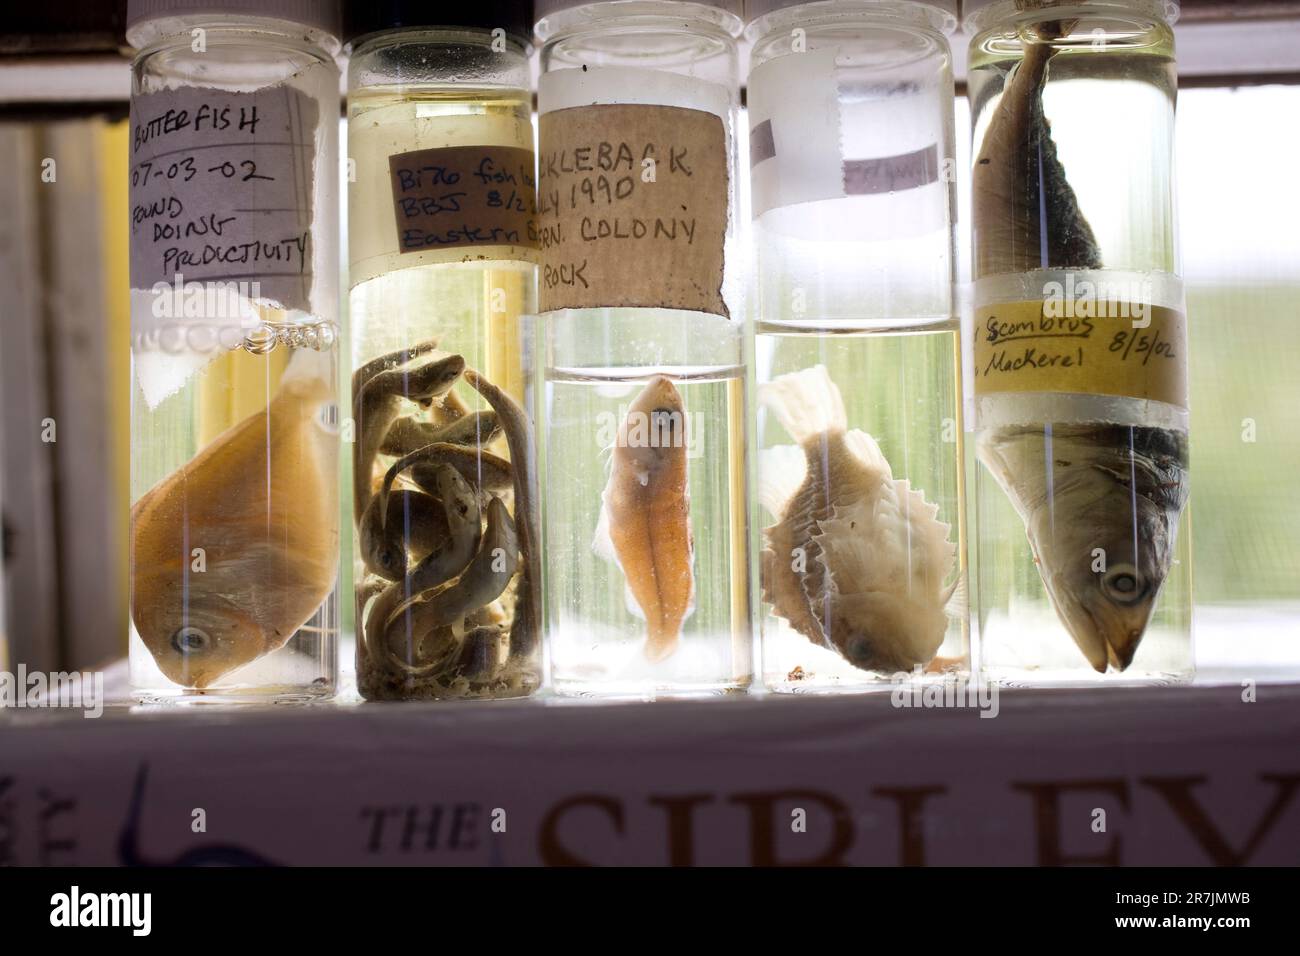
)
(794, 121)
(222, 189)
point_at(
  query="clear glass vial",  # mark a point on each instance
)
(234, 308)
(1079, 344)
(443, 266)
(857, 345)
(644, 464)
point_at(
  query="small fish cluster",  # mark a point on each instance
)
(446, 605)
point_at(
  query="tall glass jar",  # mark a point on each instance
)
(857, 345)
(647, 567)
(1080, 343)
(234, 310)
(443, 266)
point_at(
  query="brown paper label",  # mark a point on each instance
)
(633, 208)
(464, 196)
(1136, 351)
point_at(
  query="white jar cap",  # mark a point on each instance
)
(322, 15)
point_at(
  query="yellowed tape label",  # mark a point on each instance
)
(1132, 350)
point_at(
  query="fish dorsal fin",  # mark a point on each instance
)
(806, 403)
(849, 549)
(781, 471)
(933, 552)
(864, 447)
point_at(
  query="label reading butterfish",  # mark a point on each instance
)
(1133, 350)
(464, 196)
(633, 205)
(222, 186)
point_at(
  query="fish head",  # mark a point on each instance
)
(1103, 578)
(883, 631)
(654, 432)
(211, 639)
(434, 379)
(457, 496)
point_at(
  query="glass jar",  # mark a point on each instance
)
(234, 310)
(1080, 344)
(644, 464)
(443, 269)
(857, 345)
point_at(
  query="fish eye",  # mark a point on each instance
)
(191, 640)
(1123, 585)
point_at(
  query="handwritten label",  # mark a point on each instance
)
(464, 196)
(222, 188)
(633, 208)
(1136, 351)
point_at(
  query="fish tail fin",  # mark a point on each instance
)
(660, 644)
(806, 403)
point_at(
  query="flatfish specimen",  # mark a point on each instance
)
(857, 561)
(261, 502)
(645, 518)
(1100, 503)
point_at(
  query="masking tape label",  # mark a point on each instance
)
(222, 190)
(1134, 350)
(632, 205)
(464, 196)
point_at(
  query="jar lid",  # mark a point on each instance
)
(754, 9)
(548, 8)
(974, 17)
(361, 17)
(322, 15)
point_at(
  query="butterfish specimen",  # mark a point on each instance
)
(857, 561)
(261, 501)
(1080, 488)
(645, 524)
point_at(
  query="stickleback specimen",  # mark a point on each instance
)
(645, 518)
